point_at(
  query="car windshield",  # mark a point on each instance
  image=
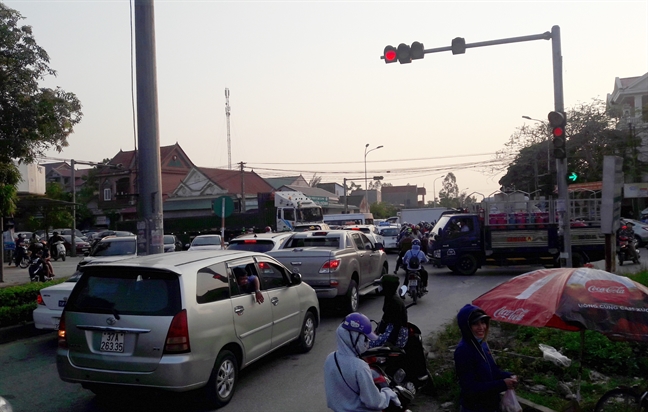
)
(253, 245)
(169, 240)
(206, 240)
(311, 214)
(121, 248)
(389, 232)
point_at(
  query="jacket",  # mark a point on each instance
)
(358, 393)
(480, 379)
(414, 251)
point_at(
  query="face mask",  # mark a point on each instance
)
(362, 344)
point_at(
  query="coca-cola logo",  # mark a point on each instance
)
(510, 314)
(619, 290)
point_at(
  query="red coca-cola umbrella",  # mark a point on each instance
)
(572, 299)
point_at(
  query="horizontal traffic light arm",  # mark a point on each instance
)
(544, 36)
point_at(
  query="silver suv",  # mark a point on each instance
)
(180, 321)
(259, 242)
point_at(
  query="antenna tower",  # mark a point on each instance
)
(229, 144)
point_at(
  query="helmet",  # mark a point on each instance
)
(357, 322)
(55, 233)
(416, 242)
(268, 229)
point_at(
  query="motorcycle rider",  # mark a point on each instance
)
(627, 231)
(416, 251)
(392, 329)
(347, 378)
(55, 238)
(405, 244)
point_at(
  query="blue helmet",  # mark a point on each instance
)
(357, 322)
(416, 242)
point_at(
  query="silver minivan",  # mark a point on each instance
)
(180, 321)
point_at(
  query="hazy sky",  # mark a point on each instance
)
(308, 89)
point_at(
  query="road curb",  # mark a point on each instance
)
(13, 333)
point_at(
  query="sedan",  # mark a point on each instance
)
(81, 245)
(172, 243)
(50, 303)
(206, 242)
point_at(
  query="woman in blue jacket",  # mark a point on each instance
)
(480, 379)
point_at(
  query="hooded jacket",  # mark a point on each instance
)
(480, 379)
(357, 391)
(414, 251)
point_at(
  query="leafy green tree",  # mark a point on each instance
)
(383, 210)
(32, 119)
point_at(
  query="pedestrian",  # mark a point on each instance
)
(480, 379)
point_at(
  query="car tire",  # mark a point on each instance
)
(223, 379)
(307, 334)
(352, 298)
(467, 265)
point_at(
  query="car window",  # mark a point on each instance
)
(272, 275)
(246, 266)
(332, 242)
(368, 244)
(127, 291)
(389, 232)
(207, 240)
(252, 245)
(212, 284)
(357, 240)
(121, 248)
(169, 240)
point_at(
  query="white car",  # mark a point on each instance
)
(206, 242)
(51, 301)
(389, 237)
(371, 231)
(259, 242)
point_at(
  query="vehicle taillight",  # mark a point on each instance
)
(177, 340)
(62, 338)
(249, 241)
(330, 266)
(39, 300)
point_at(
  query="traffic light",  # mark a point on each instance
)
(390, 54)
(458, 45)
(558, 122)
(572, 177)
(404, 53)
(417, 50)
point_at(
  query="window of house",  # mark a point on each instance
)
(107, 194)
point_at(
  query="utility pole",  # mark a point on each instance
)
(73, 236)
(150, 227)
(229, 145)
(241, 164)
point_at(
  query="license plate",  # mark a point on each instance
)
(413, 282)
(112, 342)
(62, 303)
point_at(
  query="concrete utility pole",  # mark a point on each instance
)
(150, 227)
(241, 164)
(229, 145)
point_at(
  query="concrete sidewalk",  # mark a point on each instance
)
(13, 275)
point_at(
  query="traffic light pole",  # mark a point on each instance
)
(404, 55)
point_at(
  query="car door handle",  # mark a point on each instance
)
(238, 310)
(274, 301)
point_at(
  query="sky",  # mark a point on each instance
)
(308, 89)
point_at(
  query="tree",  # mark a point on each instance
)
(315, 180)
(32, 119)
(383, 210)
(592, 132)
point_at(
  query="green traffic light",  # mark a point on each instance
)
(572, 177)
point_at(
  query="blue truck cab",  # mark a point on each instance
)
(515, 233)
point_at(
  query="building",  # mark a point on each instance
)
(404, 196)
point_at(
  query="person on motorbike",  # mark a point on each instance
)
(20, 251)
(392, 329)
(416, 251)
(347, 378)
(52, 243)
(626, 231)
(405, 244)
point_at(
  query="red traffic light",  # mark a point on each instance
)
(558, 131)
(390, 54)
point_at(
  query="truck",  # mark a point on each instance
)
(503, 232)
(425, 214)
(338, 264)
(293, 208)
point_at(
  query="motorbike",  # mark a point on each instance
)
(375, 358)
(624, 252)
(21, 257)
(38, 270)
(59, 249)
(414, 287)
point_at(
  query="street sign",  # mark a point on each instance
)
(223, 206)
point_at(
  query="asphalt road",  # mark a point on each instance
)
(283, 381)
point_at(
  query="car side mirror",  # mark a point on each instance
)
(86, 253)
(379, 246)
(295, 278)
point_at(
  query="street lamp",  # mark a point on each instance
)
(365, 165)
(434, 189)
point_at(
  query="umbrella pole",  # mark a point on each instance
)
(580, 364)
